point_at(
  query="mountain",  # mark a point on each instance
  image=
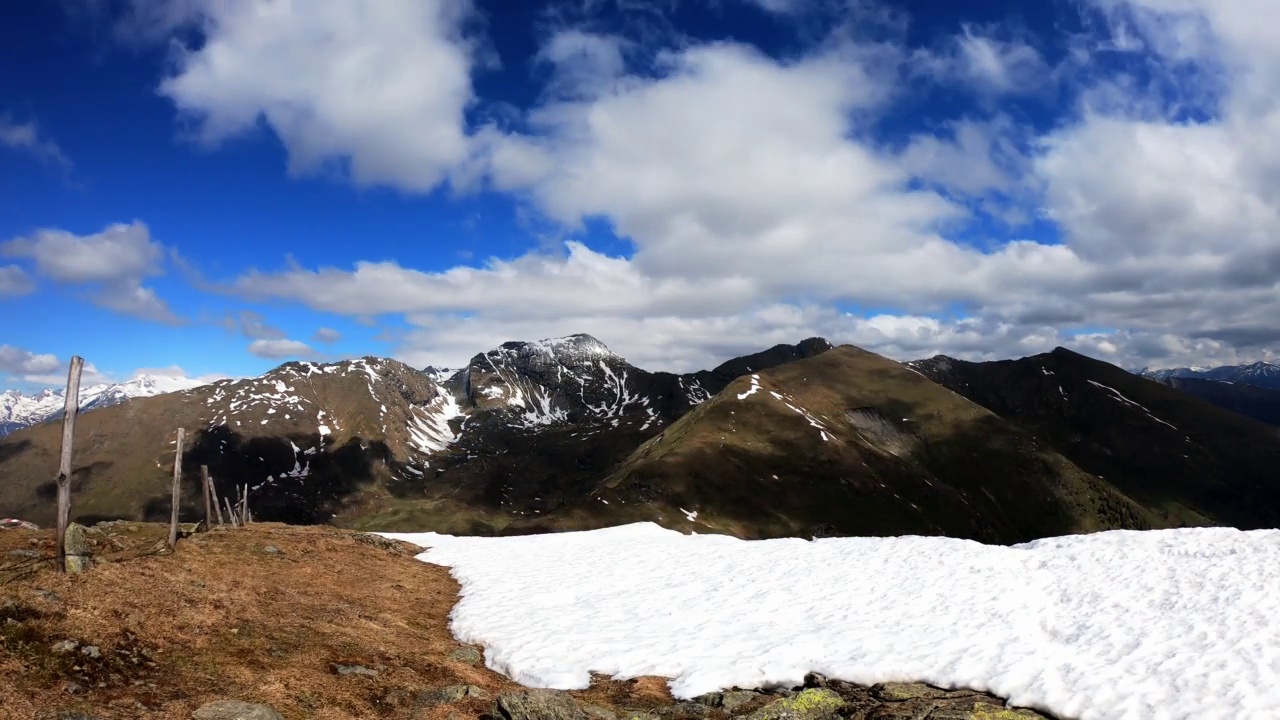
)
(1185, 459)
(850, 443)
(18, 410)
(521, 430)
(1260, 374)
(1252, 401)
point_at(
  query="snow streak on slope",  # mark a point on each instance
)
(1123, 625)
(1116, 394)
(429, 427)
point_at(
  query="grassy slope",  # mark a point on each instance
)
(904, 455)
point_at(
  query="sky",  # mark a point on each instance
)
(212, 187)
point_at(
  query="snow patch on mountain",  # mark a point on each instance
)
(18, 410)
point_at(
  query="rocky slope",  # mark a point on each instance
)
(18, 410)
(1186, 460)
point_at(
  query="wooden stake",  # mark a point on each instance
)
(217, 506)
(177, 490)
(244, 506)
(71, 406)
(208, 509)
(231, 514)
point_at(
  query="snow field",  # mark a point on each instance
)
(1123, 625)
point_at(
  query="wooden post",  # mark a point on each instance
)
(177, 490)
(244, 506)
(71, 406)
(217, 506)
(231, 514)
(208, 509)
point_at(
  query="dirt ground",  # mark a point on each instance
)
(261, 614)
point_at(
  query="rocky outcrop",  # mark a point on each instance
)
(79, 552)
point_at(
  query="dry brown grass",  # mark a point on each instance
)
(223, 618)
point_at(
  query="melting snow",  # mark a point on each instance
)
(429, 427)
(755, 387)
(1123, 625)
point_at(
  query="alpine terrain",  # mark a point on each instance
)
(18, 410)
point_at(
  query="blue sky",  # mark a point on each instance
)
(216, 187)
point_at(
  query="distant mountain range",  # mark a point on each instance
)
(1259, 374)
(798, 440)
(18, 410)
(1250, 390)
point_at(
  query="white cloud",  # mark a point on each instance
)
(279, 348)
(753, 195)
(27, 138)
(376, 89)
(15, 281)
(114, 261)
(16, 361)
(327, 335)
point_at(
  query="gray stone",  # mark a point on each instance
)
(595, 712)
(684, 711)
(449, 694)
(380, 542)
(76, 545)
(272, 550)
(735, 699)
(49, 596)
(236, 710)
(538, 705)
(24, 554)
(91, 651)
(813, 704)
(354, 670)
(468, 655)
(907, 691)
(64, 646)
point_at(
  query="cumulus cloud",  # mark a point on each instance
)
(376, 91)
(756, 199)
(43, 368)
(114, 262)
(278, 349)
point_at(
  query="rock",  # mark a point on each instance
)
(49, 596)
(636, 715)
(538, 705)
(354, 670)
(272, 550)
(91, 651)
(64, 646)
(379, 542)
(236, 710)
(468, 655)
(813, 704)
(906, 691)
(76, 545)
(449, 694)
(595, 712)
(737, 698)
(684, 711)
(816, 680)
(24, 554)
(971, 710)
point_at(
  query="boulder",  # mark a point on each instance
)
(812, 704)
(354, 670)
(236, 710)
(468, 655)
(449, 694)
(76, 545)
(538, 705)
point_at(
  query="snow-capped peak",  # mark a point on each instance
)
(19, 410)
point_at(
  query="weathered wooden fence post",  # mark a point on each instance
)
(71, 406)
(177, 490)
(208, 509)
(217, 506)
